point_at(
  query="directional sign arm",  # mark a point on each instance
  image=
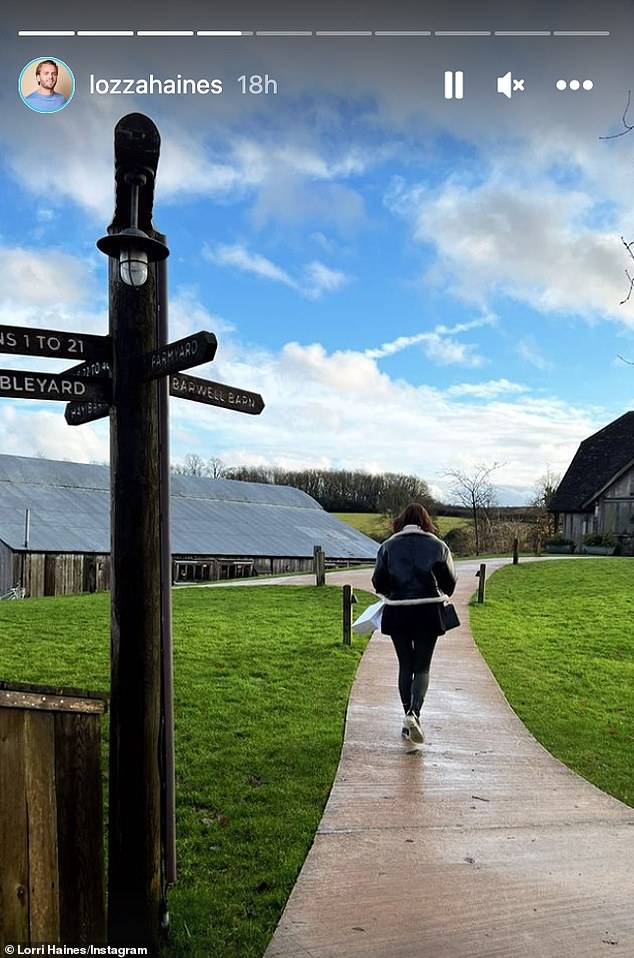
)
(216, 394)
(52, 386)
(26, 341)
(183, 354)
(100, 369)
(78, 413)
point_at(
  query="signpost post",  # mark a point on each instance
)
(129, 375)
(134, 821)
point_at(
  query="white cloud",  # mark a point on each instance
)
(528, 349)
(341, 409)
(337, 409)
(249, 262)
(315, 279)
(437, 344)
(27, 429)
(44, 277)
(486, 390)
(322, 279)
(495, 237)
(187, 315)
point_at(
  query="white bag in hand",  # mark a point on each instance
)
(370, 619)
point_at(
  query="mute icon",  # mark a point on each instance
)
(508, 85)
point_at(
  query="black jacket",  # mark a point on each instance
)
(413, 564)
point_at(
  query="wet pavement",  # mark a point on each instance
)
(479, 843)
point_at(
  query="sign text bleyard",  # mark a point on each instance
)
(50, 386)
(24, 341)
(216, 394)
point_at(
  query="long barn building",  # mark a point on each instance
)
(55, 528)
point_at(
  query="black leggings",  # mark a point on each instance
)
(414, 660)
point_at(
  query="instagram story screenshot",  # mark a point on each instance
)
(336, 301)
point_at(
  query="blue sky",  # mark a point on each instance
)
(413, 284)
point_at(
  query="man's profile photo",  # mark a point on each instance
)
(46, 86)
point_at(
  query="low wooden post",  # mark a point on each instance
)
(319, 564)
(52, 885)
(481, 574)
(538, 545)
(348, 599)
(516, 548)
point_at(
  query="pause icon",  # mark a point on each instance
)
(453, 85)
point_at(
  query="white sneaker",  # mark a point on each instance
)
(411, 723)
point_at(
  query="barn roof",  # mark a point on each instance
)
(599, 459)
(69, 505)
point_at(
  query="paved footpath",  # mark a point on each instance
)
(478, 845)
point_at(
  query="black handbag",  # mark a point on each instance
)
(449, 616)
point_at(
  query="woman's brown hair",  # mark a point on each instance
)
(415, 515)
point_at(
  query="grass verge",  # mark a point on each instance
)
(379, 526)
(261, 683)
(558, 636)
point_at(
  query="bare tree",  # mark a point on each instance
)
(475, 491)
(195, 465)
(545, 488)
(192, 465)
(543, 492)
(215, 468)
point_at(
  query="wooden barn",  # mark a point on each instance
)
(596, 495)
(55, 528)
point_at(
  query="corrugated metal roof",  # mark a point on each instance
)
(69, 505)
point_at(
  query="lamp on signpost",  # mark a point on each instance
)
(133, 248)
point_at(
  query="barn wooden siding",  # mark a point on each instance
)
(217, 568)
(6, 569)
(47, 573)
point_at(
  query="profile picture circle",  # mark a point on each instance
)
(46, 85)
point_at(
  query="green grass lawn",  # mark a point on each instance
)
(371, 524)
(378, 527)
(446, 523)
(559, 637)
(261, 683)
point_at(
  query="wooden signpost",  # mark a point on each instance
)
(123, 375)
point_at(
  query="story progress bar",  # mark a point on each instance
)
(314, 33)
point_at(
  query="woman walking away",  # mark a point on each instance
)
(413, 573)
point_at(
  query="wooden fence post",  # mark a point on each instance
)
(319, 564)
(516, 546)
(348, 599)
(481, 580)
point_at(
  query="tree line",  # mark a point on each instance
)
(336, 490)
